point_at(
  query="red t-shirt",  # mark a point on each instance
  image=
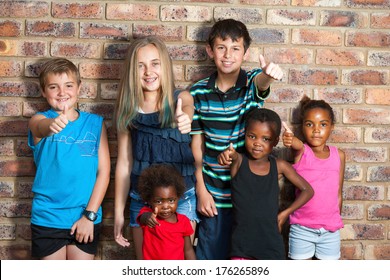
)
(165, 242)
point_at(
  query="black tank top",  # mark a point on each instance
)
(255, 201)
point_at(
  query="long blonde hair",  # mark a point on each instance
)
(130, 91)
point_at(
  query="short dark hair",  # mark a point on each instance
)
(264, 115)
(229, 28)
(159, 175)
(58, 66)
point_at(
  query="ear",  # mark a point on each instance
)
(246, 54)
(210, 51)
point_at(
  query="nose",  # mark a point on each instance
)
(227, 53)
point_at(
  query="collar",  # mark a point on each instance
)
(240, 83)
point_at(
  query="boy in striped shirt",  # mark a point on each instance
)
(222, 101)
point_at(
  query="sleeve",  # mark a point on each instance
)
(196, 126)
(187, 227)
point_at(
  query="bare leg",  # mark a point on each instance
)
(138, 239)
(57, 255)
(74, 253)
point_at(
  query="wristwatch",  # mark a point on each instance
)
(92, 216)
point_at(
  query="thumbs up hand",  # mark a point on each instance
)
(226, 157)
(183, 121)
(60, 122)
(272, 70)
(152, 219)
(288, 136)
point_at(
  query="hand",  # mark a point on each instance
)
(151, 218)
(83, 230)
(182, 119)
(206, 204)
(225, 158)
(119, 238)
(272, 70)
(60, 122)
(288, 136)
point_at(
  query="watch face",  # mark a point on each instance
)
(90, 215)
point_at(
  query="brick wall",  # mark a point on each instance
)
(335, 50)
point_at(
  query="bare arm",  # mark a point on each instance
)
(290, 141)
(84, 227)
(271, 72)
(206, 205)
(341, 182)
(123, 169)
(184, 112)
(307, 192)
(189, 253)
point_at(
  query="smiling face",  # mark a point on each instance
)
(149, 67)
(260, 138)
(165, 200)
(60, 90)
(317, 127)
(228, 55)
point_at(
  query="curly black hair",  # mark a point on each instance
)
(264, 115)
(307, 104)
(159, 175)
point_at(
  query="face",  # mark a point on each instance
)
(227, 54)
(61, 90)
(260, 139)
(166, 201)
(149, 67)
(317, 127)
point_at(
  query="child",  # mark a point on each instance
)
(166, 233)
(257, 226)
(315, 228)
(221, 103)
(150, 130)
(72, 160)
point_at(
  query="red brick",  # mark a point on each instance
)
(351, 251)
(316, 37)
(195, 73)
(339, 57)
(13, 209)
(11, 127)
(186, 13)
(10, 28)
(377, 252)
(365, 77)
(269, 36)
(353, 172)
(17, 168)
(19, 89)
(252, 15)
(7, 189)
(22, 148)
(24, 9)
(343, 19)
(289, 55)
(377, 135)
(88, 90)
(287, 94)
(28, 48)
(76, 50)
(368, 154)
(377, 4)
(379, 212)
(116, 50)
(313, 77)
(15, 252)
(11, 68)
(266, 2)
(378, 174)
(104, 31)
(31, 108)
(362, 232)
(366, 116)
(6, 147)
(8, 47)
(316, 3)
(165, 32)
(24, 190)
(378, 58)
(10, 109)
(91, 70)
(352, 211)
(187, 52)
(103, 109)
(77, 10)
(367, 39)
(345, 135)
(380, 20)
(362, 192)
(339, 95)
(7, 231)
(51, 29)
(291, 17)
(132, 11)
(109, 90)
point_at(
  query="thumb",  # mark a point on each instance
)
(231, 148)
(179, 105)
(262, 61)
(155, 212)
(65, 110)
(286, 127)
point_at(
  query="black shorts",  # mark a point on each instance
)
(46, 241)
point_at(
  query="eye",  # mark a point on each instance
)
(156, 64)
(266, 139)
(251, 136)
(324, 124)
(172, 200)
(157, 201)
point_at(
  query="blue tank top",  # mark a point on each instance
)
(66, 171)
